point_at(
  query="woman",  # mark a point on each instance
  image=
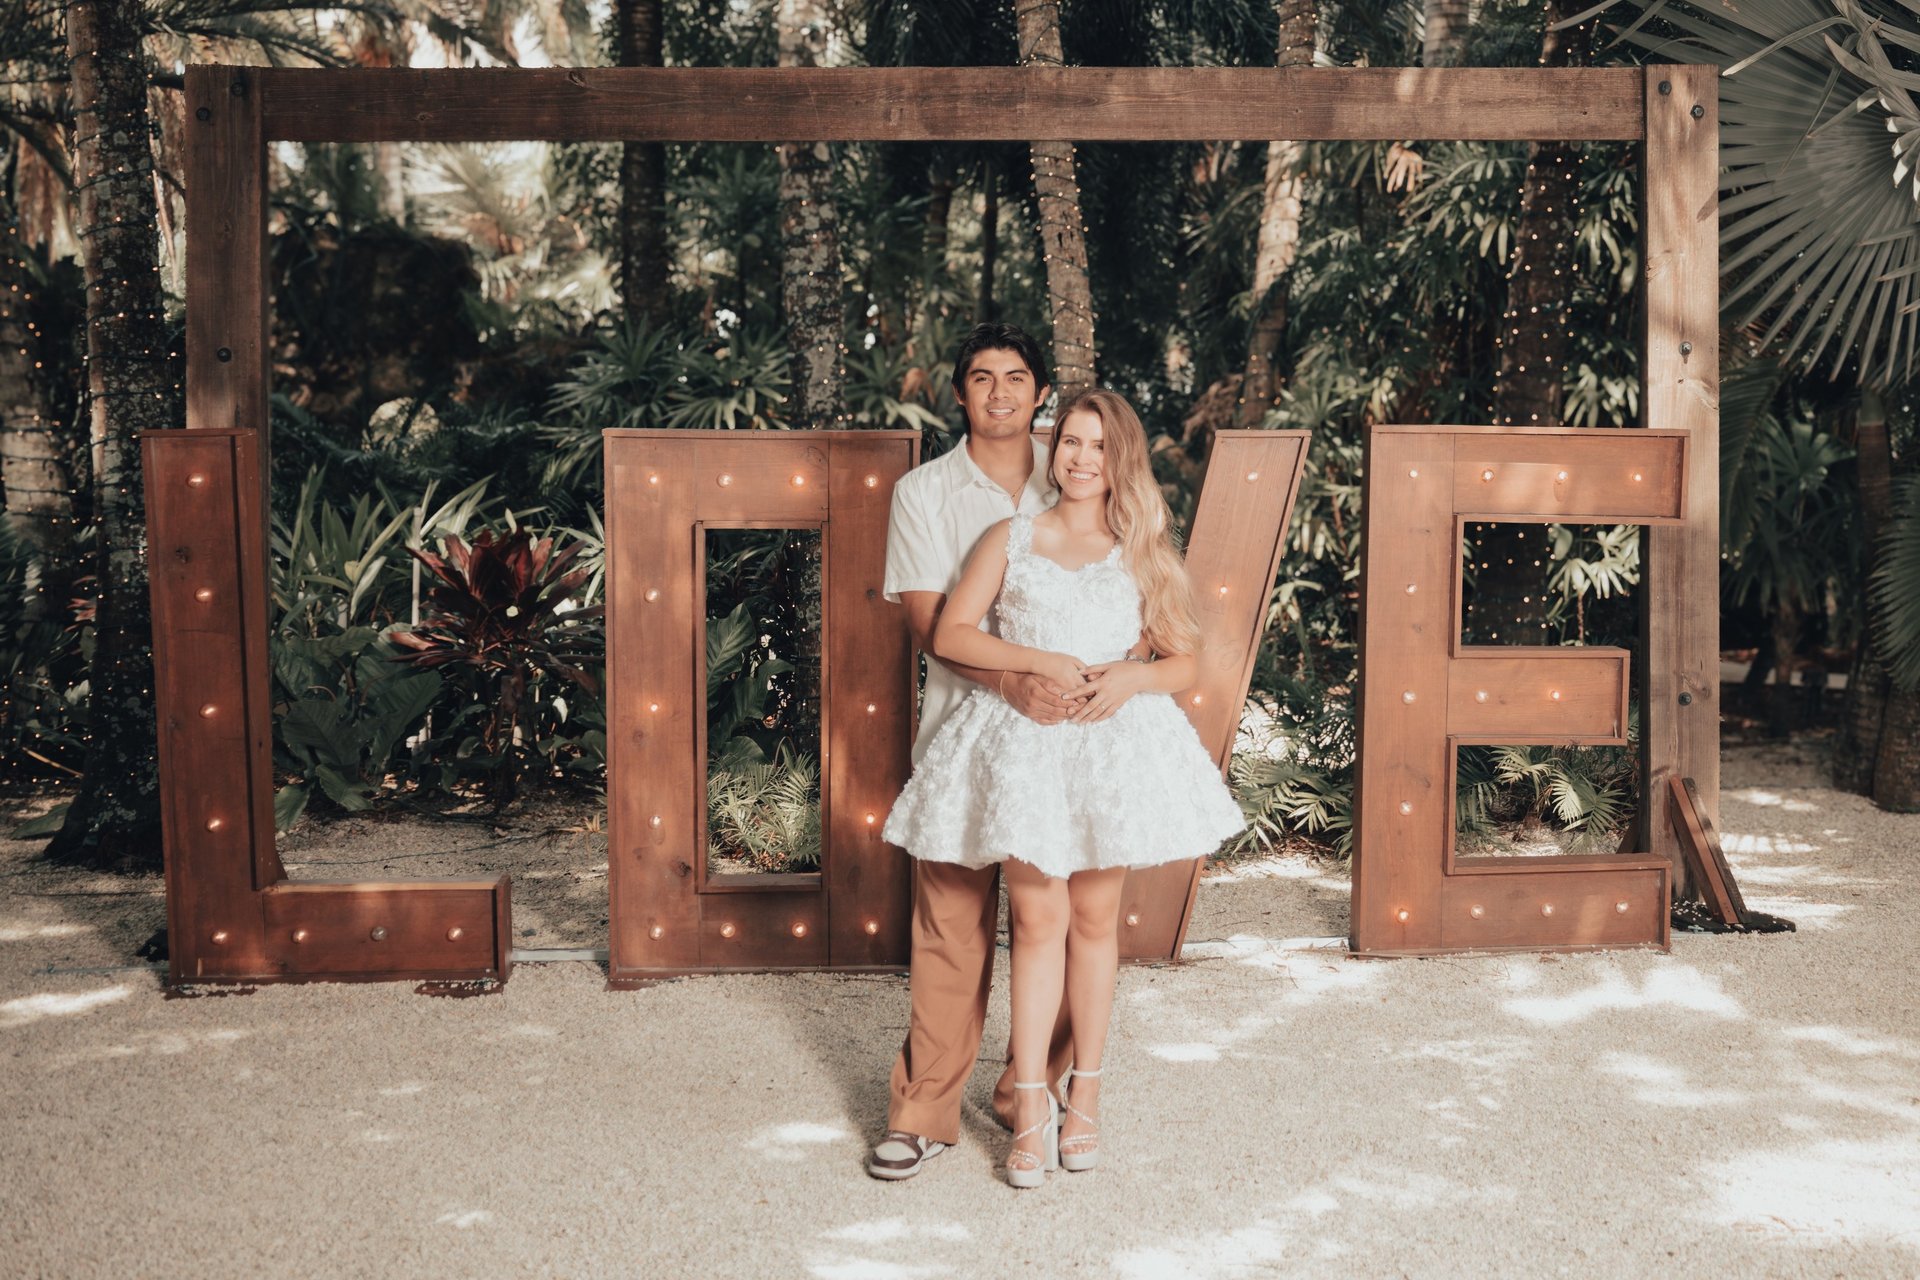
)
(1091, 594)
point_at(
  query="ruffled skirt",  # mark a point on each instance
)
(1134, 790)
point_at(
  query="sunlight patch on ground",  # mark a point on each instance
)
(1274, 1239)
(403, 1090)
(1756, 845)
(49, 1004)
(1815, 916)
(1768, 800)
(1264, 953)
(889, 1230)
(1279, 868)
(1849, 1043)
(1846, 1190)
(1665, 1085)
(1209, 1048)
(14, 931)
(874, 1269)
(791, 1142)
(464, 1219)
(1681, 987)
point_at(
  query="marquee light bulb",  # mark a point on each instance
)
(1479, 695)
(656, 933)
(727, 930)
(872, 927)
(653, 593)
(653, 477)
(1403, 915)
(799, 481)
(1487, 474)
(203, 595)
(1252, 476)
(1408, 696)
(799, 928)
(873, 482)
(1406, 806)
(725, 479)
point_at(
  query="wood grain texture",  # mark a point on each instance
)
(870, 664)
(1700, 845)
(1680, 362)
(664, 490)
(214, 844)
(1423, 694)
(1238, 536)
(226, 278)
(923, 104)
(319, 929)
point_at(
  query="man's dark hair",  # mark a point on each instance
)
(995, 336)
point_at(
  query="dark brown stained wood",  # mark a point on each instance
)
(1539, 695)
(1239, 532)
(1700, 843)
(1501, 470)
(214, 846)
(869, 665)
(665, 493)
(921, 104)
(319, 929)
(226, 249)
(1423, 694)
(1680, 363)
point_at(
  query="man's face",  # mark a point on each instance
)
(999, 394)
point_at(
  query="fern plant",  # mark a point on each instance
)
(765, 813)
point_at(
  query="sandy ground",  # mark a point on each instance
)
(1745, 1106)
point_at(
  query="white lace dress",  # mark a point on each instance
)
(1133, 790)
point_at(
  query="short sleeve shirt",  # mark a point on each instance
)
(940, 510)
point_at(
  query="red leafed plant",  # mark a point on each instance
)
(499, 609)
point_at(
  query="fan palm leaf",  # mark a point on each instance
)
(1820, 231)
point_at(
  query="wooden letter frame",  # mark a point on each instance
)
(1424, 694)
(224, 883)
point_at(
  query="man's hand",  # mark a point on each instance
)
(1037, 698)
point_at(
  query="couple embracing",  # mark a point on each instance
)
(1045, 585)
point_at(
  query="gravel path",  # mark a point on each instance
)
(1745, 1106)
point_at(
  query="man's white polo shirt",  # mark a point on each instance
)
(940, 510)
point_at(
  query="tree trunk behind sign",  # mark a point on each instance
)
(810, 287)
(131, 387)
(1063, 236)
(643, 174)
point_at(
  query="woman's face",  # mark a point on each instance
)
(1080, 460)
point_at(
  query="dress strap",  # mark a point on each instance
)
(1020, 535)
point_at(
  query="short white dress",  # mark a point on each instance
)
(1134, 790)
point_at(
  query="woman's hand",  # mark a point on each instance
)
(1065, 670)
(1107, 688)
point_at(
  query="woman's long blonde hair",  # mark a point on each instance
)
(1138, 516)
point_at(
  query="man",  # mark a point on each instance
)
(939, 512)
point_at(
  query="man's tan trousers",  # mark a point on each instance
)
(954, 911)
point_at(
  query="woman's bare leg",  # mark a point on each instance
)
(1093, 965)
(1040, 909)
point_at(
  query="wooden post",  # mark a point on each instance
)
(1680, 366)
(226, 251)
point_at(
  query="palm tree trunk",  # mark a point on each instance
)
(810, 287)
(640, 42)
(1063, 236)
(1532, 342)
(33, 469)
(1446, 33)
(131, 385)
(983, 308)
(1279, 230)
(939, 210)
(1877, 753)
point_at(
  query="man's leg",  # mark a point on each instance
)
(950, 972)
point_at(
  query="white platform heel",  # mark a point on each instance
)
(1080, 1152)
(1030, 1169)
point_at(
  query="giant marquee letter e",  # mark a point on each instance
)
(1423, 694)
